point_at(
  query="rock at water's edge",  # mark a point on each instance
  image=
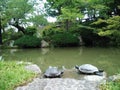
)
(114, 77)
(33, 68)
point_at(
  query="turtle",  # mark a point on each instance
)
(89, 69)
(53, 72)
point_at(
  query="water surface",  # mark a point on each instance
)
(103, 58)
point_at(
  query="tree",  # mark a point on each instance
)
(69, 15)
(92, 8)
(18, 11)
(38, 20)
(2, 10)
(65, 10)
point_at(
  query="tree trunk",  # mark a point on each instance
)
(16, 24)
(20, 28)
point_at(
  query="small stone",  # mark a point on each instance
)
(114, 77)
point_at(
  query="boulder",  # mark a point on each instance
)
(33, 68)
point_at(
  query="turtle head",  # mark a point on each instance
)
(62, 72)
(100, 70)
(77, 67)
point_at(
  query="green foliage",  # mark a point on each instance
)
(115, 38)
(30, 31)
(113, 23)
(9, 35)
(108, 25)
(70, 14)
(64, 39)
(28, 41)
(99, 23)
(22, 7)
(38, 20)
(50, 30)
(90, 37)
(12, 75)
(111, 86)
(109, 28)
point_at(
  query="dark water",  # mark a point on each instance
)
(103, 58)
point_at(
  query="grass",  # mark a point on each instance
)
(13, 75)
(115, 85)
(111, 86)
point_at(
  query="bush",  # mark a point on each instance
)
(30, 30)
(64, 39)
(28, 42)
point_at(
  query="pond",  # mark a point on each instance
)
(103, 58)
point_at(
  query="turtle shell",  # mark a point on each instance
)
(88, 68)
(52, 72)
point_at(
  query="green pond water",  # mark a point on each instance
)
(107, 59)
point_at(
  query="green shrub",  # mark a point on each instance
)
(64, 39)
(113, 23)
(30, 30)
(28, 41)
(9, 35)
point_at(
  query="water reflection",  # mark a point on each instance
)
(44, 50)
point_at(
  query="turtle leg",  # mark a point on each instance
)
(99, 73)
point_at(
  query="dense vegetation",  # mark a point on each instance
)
(96, 22)
(99, 28)
(29, 40)
(64, 39)
(13, 75)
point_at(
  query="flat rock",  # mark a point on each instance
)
(68, 82)
(95, 78)
(63, 84)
